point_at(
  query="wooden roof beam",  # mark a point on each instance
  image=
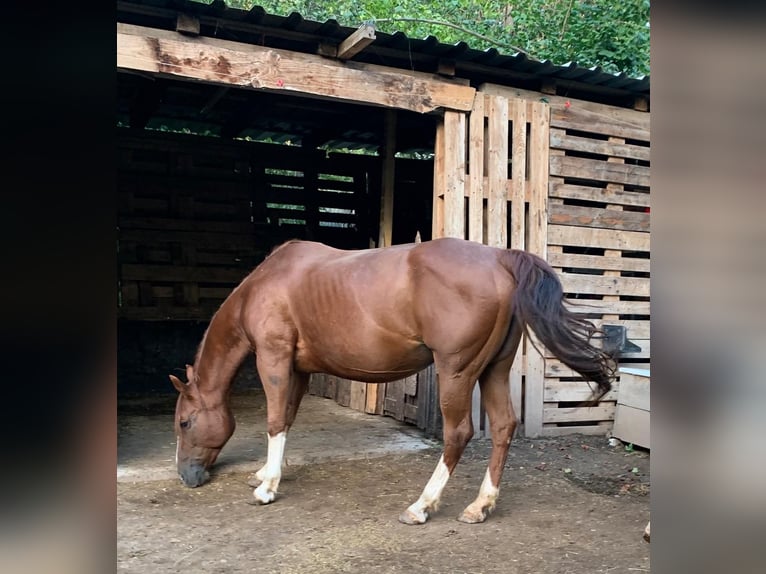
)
(249, 66)
(351, 46)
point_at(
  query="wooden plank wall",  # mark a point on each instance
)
(582, 170)
(599, 242)
(485, 183)
(195, 217)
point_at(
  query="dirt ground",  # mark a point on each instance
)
(567, 506)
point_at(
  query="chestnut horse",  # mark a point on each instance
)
(378, 315)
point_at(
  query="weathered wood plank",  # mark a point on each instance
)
(560, 140)
(597, 217)
(551, 430)
(599, 262)
(202, 239)
(566, 391)
(576, 117)
(602, 412)
(388, 177)
(440, 183)
(342, 391)
(598, 238)
(476, 171)
(182, 274)
(600, 285)
(607, 114)
(518, 173)
(538, 244)
(586, 168)
(358, 396)
(454, 174)
(256, 67)
(168, 313)
(497, 172)
(167, 223)
(590, 306)
(586, 193)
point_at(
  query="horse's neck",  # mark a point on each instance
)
(221, 352)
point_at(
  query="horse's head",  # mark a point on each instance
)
(202, 428)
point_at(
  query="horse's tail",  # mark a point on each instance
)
(539, 304)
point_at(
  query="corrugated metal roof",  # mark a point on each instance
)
(295, 33)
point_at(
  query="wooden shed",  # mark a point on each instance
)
(238, 130)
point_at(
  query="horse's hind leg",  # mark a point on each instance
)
(495, 395)
(455, 390)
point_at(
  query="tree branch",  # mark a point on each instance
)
(456, 27)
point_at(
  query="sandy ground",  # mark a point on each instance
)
(567, 505)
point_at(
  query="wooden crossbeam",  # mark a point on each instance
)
(356, 42)
(256, 67)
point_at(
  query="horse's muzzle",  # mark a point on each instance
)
(193, 475)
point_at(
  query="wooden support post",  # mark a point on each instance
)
(519, 144)
(539, 145)
(388, 153)
(376, 392)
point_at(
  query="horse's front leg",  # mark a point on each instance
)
(275, 371)
(298, 387)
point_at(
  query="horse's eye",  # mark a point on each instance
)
(184, 424)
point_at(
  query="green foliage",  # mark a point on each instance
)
(612, 34)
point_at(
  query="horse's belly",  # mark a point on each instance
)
(371, 361)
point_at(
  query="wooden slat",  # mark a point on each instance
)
(586, 168)
(171, 312)
(388, 176)
(593, 430)
(234, 242)
(537, 244)
(605, 114)
(586, 193)
(181, 274)
(454, 174)
(342, 391)
(590, 306)
(576, 117)
(518, 173)
(437, 229)
(597, 217)
(598, 238)
(560, 140)
(497, 172)
(602, 412)
(595, 284)
(256, 67)
(599, 262)
(476, 175)
(566, 391)
(358, 396)
(166, 223)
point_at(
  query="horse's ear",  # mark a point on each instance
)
(178, 384)
(189, 373)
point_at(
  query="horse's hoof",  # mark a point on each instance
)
(472, 516)
(412, 518)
